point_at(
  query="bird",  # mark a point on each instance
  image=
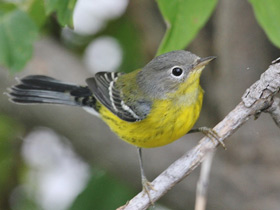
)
(149, 107)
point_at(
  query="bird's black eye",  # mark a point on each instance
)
(177, 71)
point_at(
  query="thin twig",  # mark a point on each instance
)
(256, 99)
(202, 184)
(274, 110)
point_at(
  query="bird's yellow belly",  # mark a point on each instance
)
(166, 123)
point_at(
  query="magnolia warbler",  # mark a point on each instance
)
(149, 107)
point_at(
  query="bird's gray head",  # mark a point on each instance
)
(165, 73)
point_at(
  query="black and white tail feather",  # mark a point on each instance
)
(38, 89)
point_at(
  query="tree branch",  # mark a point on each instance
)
(274, 110)
(257, 98)
(202, 184)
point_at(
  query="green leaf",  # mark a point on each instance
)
(268, 16)
(102, 192)
(64, 10)
(184, 19)
(9, 130)
(36, 11)
(51, 5)
(17, 34)
(6, 7)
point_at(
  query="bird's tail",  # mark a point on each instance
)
(37, 89)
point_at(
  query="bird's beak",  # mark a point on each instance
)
(203, 62)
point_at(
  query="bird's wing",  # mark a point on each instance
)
(104, 88)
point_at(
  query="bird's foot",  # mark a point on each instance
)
(147, 187)
(210, 133)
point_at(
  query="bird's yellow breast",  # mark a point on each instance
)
(168, 120)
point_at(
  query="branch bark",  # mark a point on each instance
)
(256, 99)
(274, 110)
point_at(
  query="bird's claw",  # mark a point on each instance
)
(147, 186)
(210, 133)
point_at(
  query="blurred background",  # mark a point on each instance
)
(59, 158)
